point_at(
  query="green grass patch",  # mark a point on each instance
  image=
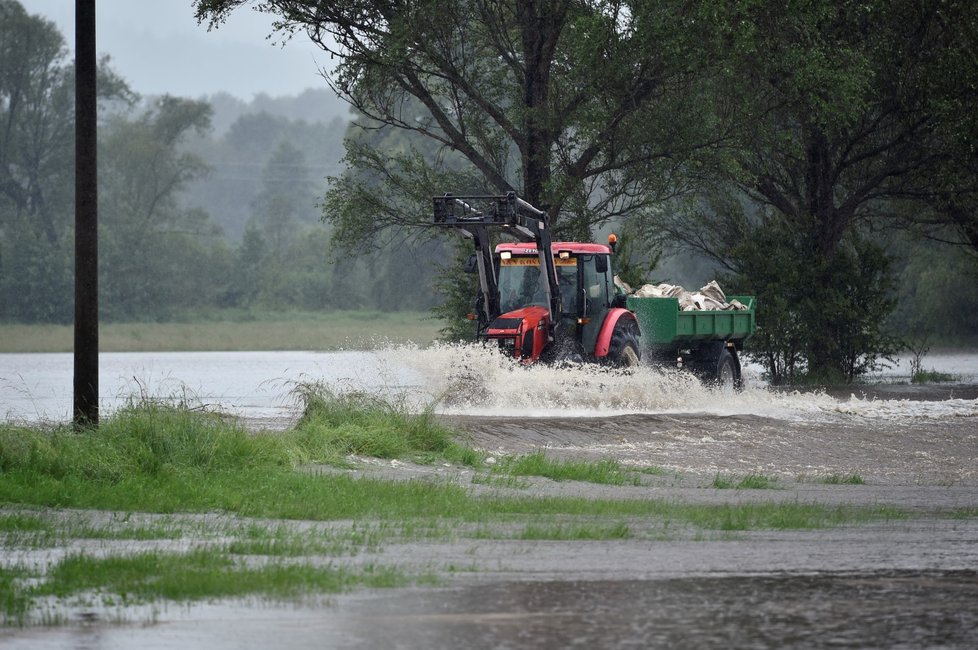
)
(203, 574)
(15, 597)
(30, 531)
(932, 377)
(607, 472)
(749, 482)
(157, 458)
(282, 541)
(20, 523)
(575, 532)
(238, 330)
(334, 426)
(964, 513)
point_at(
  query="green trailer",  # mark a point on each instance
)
(706, 342)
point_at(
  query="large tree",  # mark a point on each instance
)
(848, 111)
(36, 165)
(36, 122)
(156, 253)
(558, 100)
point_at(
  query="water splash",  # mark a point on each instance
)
(472, 379)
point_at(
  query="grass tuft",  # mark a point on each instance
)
(333, 426)
(932, 377)
(608, 472)
(580, 532)
(15, 599)
(202, 574)
(749, 482)
(843, 479)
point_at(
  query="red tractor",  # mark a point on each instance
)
(541, 299)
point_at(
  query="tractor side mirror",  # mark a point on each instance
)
(601, 264)
(471, 264)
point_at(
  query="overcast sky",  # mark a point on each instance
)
(157, 46)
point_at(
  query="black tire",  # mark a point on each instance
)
(624, 350)
(727, 375)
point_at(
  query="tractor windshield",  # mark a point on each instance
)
(521, 283)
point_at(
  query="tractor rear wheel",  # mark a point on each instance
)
(624, 351)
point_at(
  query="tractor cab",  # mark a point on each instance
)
(537, 298)
(586, 289)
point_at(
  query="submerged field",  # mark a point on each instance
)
(524, 506)
(171, 503)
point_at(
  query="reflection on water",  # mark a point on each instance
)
(893, 609)
(897, 609)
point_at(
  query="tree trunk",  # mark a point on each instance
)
(540, 25)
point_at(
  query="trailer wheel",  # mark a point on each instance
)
(623, 349)
(728, 371)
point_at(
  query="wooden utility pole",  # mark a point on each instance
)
(86, 219)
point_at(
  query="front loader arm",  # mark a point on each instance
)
(514, 216)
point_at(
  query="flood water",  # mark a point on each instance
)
(252, 384)
(461, 379)
(886, 609)
(896, 585)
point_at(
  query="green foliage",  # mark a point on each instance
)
(936, 293)
(586, 110)
(571, 532)
(932, 377)
(824, 118)
(837, 127)
(636, 257)
(383, 205)
(154, 254)
(36, 165)
(537, 464)
(35, 278)
(460, 291)
(202, 574)
(333, 426)
(37, 111)
(748, 482)
(822, 317)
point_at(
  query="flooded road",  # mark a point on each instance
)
(903, 583)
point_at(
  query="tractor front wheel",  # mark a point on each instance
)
(623, 350)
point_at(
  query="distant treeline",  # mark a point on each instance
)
(191, 218)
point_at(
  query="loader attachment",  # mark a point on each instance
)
(474, 216)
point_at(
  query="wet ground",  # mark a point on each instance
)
(892, 451)
(904, 583)
(886, 609)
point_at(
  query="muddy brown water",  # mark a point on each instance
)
(893, 584)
